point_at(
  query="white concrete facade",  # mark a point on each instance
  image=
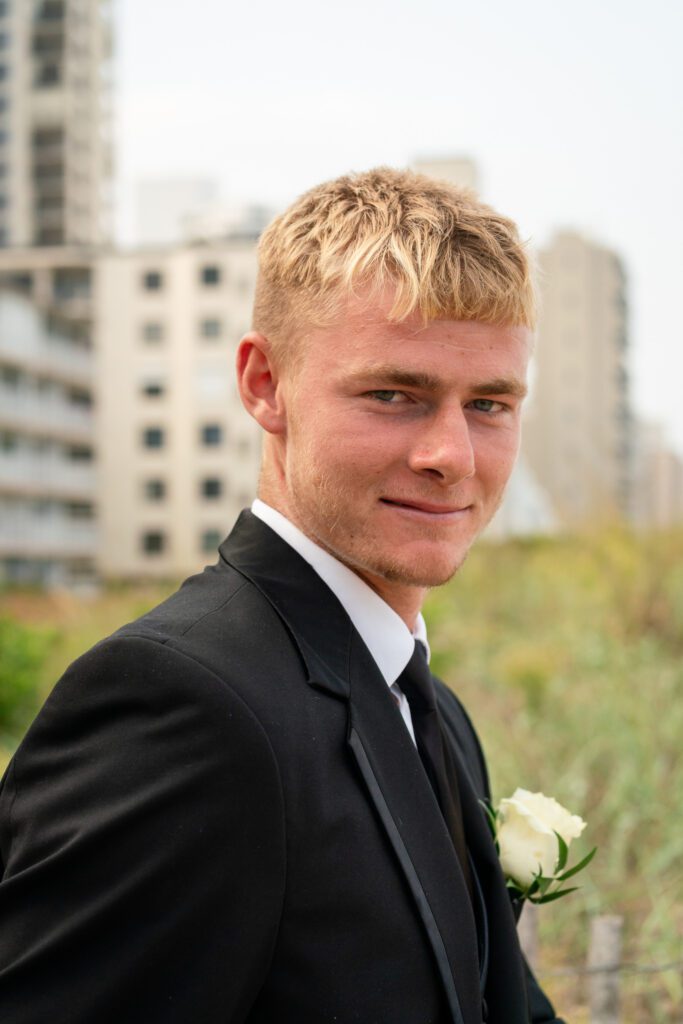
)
(178, 455)
(577, 438)
(456, 170)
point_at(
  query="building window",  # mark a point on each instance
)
(210, 540)
(78, 453)
(211, 487)
(72, 284)
(80, 510)
(152, 280)
(155, 490)
(51, 10)
(153, 331)
(212, 434)
(48, 75)
(153, 542)
(153, 437)
(153, 388)
(210, 274)
(211, 328)
(10, 376)
(83, 399)
(8, 442)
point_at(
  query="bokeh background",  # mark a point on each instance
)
(143, 147)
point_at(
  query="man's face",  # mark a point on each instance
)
(400, 439)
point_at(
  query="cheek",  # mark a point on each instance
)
(496, 458)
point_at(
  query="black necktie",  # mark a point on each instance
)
(417, 684)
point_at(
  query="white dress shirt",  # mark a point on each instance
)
(381, 629)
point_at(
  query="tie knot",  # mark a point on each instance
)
(416, 682)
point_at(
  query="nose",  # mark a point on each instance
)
(443, 448)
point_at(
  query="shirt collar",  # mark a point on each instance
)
(381, 629)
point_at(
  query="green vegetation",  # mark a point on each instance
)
(568, 655)
(23, 650)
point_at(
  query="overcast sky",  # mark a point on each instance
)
(573, 112)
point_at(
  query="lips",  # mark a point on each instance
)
(425, 506)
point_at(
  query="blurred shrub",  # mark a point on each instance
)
(23, 650)
(568, 654)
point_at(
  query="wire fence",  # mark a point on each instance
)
(604, 967)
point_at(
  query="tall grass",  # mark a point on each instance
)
(568, 654)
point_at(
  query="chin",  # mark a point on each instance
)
(424, 572)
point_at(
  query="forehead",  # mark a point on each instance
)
(366, 337)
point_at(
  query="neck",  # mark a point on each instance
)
(405, 600)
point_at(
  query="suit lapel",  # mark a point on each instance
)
(338, 662)
(405, 802)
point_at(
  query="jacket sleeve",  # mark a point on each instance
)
(142, 847)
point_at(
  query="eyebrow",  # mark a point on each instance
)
(502, 386)
(428, 382)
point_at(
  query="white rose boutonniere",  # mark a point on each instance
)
(532, 833)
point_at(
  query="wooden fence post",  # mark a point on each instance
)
(604, 959)
(527, 929)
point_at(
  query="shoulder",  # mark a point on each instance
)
(217, 632)
(177, 683)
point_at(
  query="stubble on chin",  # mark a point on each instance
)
(322, 512)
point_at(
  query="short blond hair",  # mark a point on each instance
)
(445, 254)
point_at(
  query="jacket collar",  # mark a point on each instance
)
(316, 620)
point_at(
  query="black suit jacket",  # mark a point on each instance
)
(219, 816)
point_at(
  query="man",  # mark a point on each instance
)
(249, 805)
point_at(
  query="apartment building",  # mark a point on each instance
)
(457, 170)
(48, 534)
(178, 455)
(55, 122)
(658, 491)
(578, 435)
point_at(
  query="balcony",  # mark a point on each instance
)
(36, 475)
(49, 218)
(30, 412)
(48, 187)
(54, 360)
(47, 536)
(51, 154)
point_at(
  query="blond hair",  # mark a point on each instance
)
(445, 254)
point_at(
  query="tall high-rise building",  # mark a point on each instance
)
(55, 122)
(658, 494)
(47, 477)
(457, 170)
(578, 436)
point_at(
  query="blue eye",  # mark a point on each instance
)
(488, 405)
(387, 397)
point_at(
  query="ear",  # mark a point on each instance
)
(258, 382)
